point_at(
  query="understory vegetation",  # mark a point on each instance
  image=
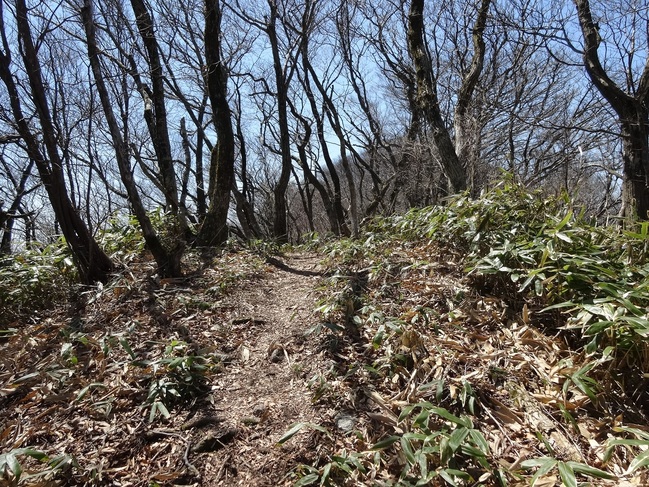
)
(501, 340)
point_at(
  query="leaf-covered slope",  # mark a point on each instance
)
(496, 341)
(500, 341)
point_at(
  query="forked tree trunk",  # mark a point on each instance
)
(632, 111)
(467, 133)
(214, 230)
(156, 117)
(280, 221)
(168, 261)
(427, 99)
(93, 264)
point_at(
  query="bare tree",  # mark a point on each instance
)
(214, 229)
(631, 103)
(93, 264)
(15, 210)
(453, 154)
(168, 260)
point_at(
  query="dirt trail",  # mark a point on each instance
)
(263, 387)
(84, 383)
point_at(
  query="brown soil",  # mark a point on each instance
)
(264, 390)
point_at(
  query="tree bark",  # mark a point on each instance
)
(280, 221)
(214, 230)
(168, 261)
(467, 134)
(156, 115)
(303, 162)
(633, 115)
(14, 211)
(93, 264)
(339, 225)
(427, 99)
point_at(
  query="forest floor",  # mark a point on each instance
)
(89, 384)
(260, 370)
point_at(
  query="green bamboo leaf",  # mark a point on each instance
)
(310, 479)
(36, 454)
(466, 422)
(421, 421)
(158, 407)
(296, 427)
(577, 379)
(476, 454)
(457, 437)
(526, 283)
(564, 222)
(538, 288)
(479, 439)
(564, 237)
(567, 474)
(599, 327)
(629, 442)
(385, 443)
(535, 462)
(356, 463)
(565, 304)
(591, 471)
(634, 431)
(61, 462)
(125, 345)
(545, 464)
(408, 451)
(640, 461)
(326, 471)
(407, 410)
(85, 390)
(14, 465)
(450, 474)
(292, 431)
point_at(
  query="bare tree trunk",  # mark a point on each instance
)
(358, 84)
(245, 209)
(427, 99)
(214, 230)
(338, 213)
(93, 264)
(201, 199)
(635, 158)
(466, 130)
(633, 115)
(303, 162)
(329, 109)
(156, 115)
(168, 261)
(280, 222)
(8, 217)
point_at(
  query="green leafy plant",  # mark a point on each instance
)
(12, 470)
(439, 444)
(568, 470)
(174, 378)
(122, 238)
(35, 280)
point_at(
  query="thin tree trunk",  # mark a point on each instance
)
(93, 264)
(156, 114)
(214, 230)
(280, 221)
(467, 145)
(168, 261)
